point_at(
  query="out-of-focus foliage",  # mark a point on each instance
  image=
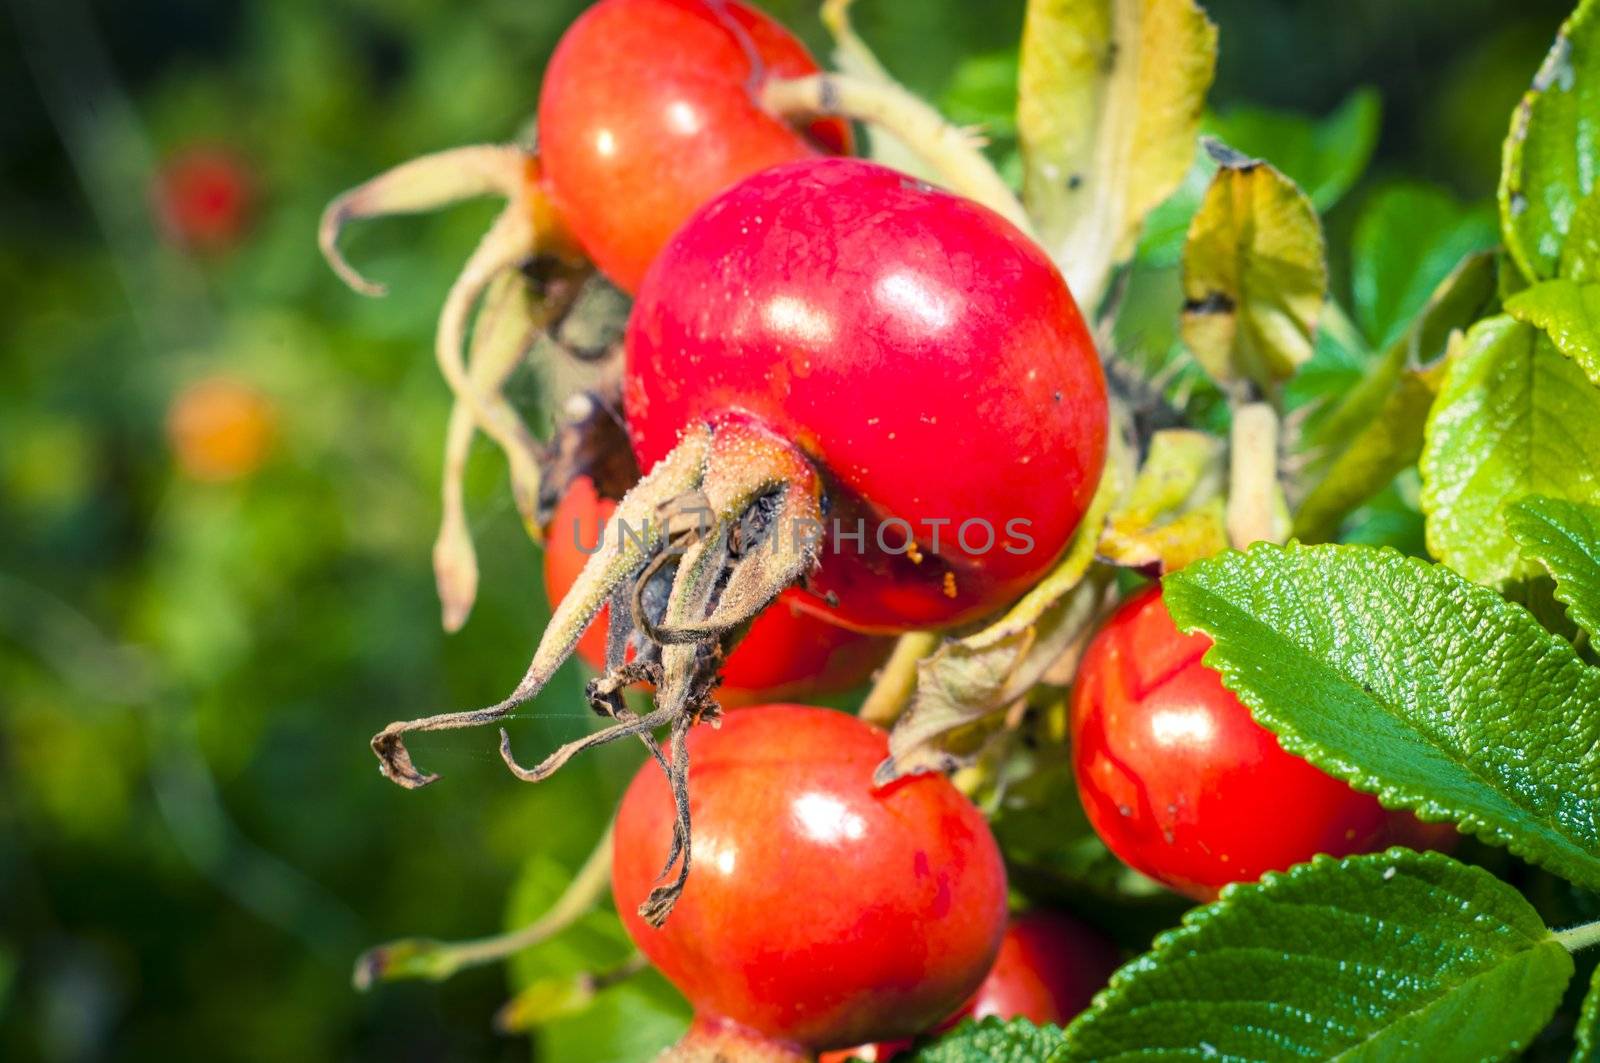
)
(193, 842)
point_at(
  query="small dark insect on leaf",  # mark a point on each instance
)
(1213, 303)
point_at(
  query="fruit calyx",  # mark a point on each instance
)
(717, 530)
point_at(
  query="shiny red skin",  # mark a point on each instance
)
(820, 911)
(204, 198)
(648, 109)
(1049, 967)
(1178, 779)
(787, 653)
(923, 352)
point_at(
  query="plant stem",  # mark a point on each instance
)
(897, 680)
(1256, 508)
(1579, 937)
(437, 960)
(952, 152)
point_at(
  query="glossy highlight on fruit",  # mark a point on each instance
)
(820, 912)
(923, 353)
(1180, 781)
(649, 108)
(787, 652)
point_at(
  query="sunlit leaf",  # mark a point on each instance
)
(1552, 154)
(1395, 955)
(1513, 418)
(1254, 275)
(1109, 100)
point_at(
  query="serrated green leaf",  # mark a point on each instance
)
(1513, 418)
(995, 1041)
(1254, 275)
(1395, 955)
(1109, 100)
(1407, 681)
(1407, 241)
(1567, 312)
(1564, 537)
(1587, 1036)
(1388, 443)
(1580, 255)
(1552, 154)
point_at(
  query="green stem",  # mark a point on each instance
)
(438, 960)
(1579, 937)
(897, 680)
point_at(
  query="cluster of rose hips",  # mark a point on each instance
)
(822, 340)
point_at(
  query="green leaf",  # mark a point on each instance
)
(1374, 429)
(1564, 537)
(1580, 256)
(1109, 100)
(1569, 313)
(620, 1024)
(995, 1041)
(1513, 418)
(1408, 240)
(983, 91)
(1587, 1048)
(1387, 444)
(1325, 157)
(1395, 955)
(1254, 275)
(1407, 681)
(1553, 150)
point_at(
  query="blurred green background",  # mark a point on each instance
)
(194, 843)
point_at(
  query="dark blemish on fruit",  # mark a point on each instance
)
(1056, 395)
(1074, 182)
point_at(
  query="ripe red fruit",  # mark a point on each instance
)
(1180, 781)
(923, 354)
(650, 107)
(787, 653)
(204, 198)
(1049, 967)
(820, 912)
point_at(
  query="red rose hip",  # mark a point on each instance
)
(922, 353)
(1180, 781)
(820, 912)
(649, 108)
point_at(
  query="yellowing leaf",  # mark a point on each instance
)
(1254, 275)
(1110, 94)
(1173, 514)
